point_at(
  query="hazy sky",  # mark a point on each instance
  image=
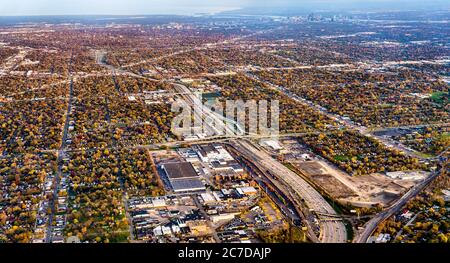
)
(133, 7)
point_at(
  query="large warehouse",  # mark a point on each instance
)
(183, 177)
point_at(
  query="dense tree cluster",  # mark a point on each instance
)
(133, 85)
(287, 234)
(6, 52)
(430, 140)
(294, 117)
(370, 99)
(103, 114)
(245, 55)
(99, 180)
(308, 54)
(21, 190)
(359, 155)
(25, 88)
(139, 173)
(49, 61)
(190, 63)
(27, 126)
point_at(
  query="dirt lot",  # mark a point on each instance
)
(333, 186)
(360, 191)
(312, 168)
(321, 176)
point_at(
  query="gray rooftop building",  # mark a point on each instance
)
(183, 177)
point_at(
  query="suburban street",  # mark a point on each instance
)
(370, 226)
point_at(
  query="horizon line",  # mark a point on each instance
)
(219, 12)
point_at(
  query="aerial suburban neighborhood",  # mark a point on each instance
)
(113, 128)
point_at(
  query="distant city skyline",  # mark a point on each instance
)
(190, 7)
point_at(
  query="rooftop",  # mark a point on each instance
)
(184, 185)
(179, 170)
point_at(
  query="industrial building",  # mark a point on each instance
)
(182, 177)
(219, 159)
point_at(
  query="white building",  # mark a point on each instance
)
(223, 217)
(208, 198)
(273, 144)
(249, 190)
(158, 203)
(446, 194)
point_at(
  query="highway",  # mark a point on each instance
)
(212, 123)
(272, 188)
(330, 231)
(370, 226)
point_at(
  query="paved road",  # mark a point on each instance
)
(344, 122)
(197, 48)
(205, 215)
(399, 233)
(61, 154)
(331, 231)
(370, 226)
(213, 124)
